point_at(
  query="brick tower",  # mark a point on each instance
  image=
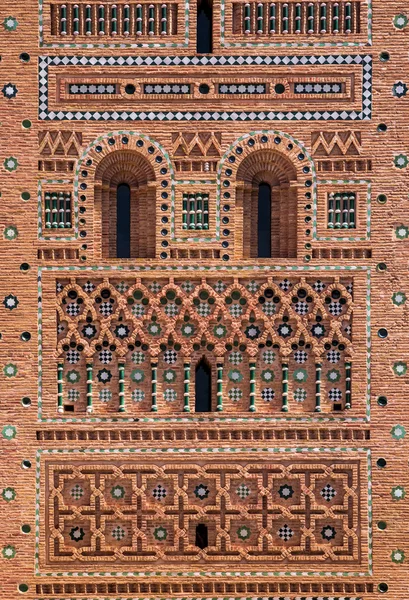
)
(204, 325)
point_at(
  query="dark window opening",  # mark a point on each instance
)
(203, 389)
(264, 221)
(204, 27)
(201, 536)
(123, 221)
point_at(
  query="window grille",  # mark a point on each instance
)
(195, 212)
(106, 19)
(307, 17)
(341, 210)
(57, 210)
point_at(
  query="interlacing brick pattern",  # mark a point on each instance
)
(294, 510)
(266, 330)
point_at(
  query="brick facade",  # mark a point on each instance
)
(115, 481)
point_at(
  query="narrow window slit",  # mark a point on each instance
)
(203, 388)
(264, 220)
(123, 223)
(204, 27)
(202, 540)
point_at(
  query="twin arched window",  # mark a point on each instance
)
(125, 205)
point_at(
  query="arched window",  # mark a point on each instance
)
(203, 387)
(264, 221)
(125, 206)
(123, 221)
(204, 30)
(266, 200)
(202, 538)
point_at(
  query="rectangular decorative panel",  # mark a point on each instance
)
(337, 86)
(134, 24)
(283, 71)
(135, 509)
(344, 210)
(294, 22)
(130, 345)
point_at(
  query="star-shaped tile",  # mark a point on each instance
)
(9, 90)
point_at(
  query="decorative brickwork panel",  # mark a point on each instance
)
(207, 587)
(261, 511)
(273, 344)
(74, 89)
(281, 71)
(339, 151)
(58, 150)
(59, 143)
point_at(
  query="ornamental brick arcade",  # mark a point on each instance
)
(204, 280)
